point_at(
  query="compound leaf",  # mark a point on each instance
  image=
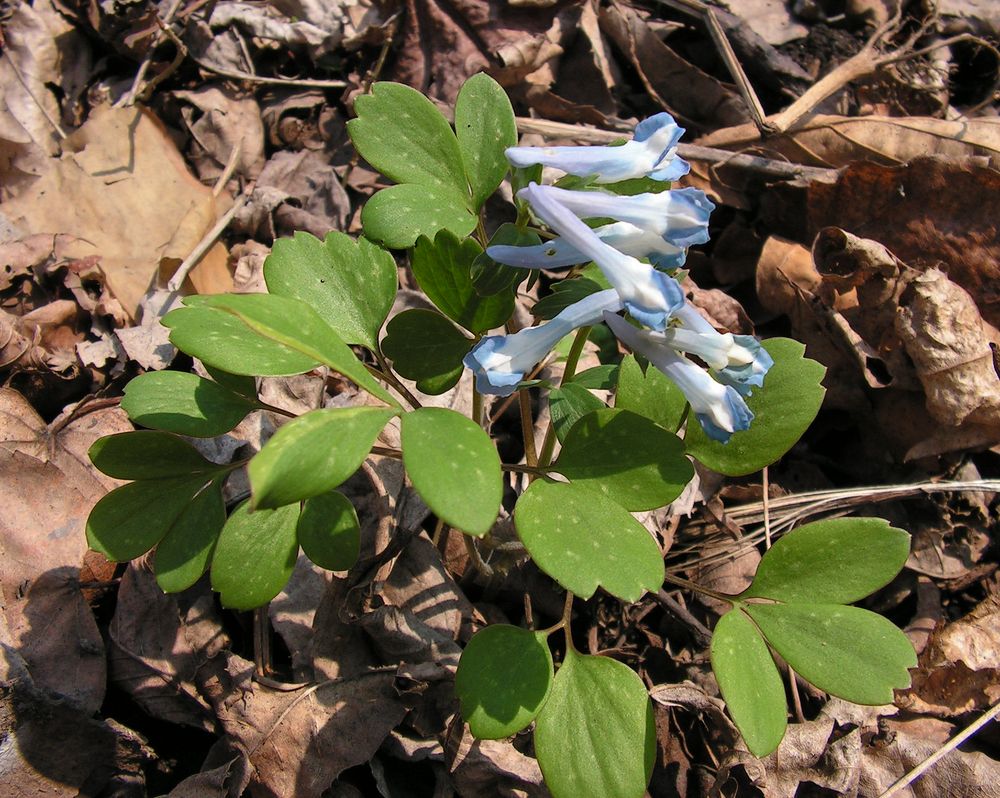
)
(485, 126)
(625, 457)
(329, 532)
(503, 679)
(783, 409)
(255, 555)
(595, 736)
(837, 561)
(398, 215)
(750, 682)
(584, 540)
(847, 651)
(184, 403)
(454, 467)
(351, 284)
(314, 453)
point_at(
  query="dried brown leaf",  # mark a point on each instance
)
(134, 202)
(443, 44)
(959, 670)
(928, 213)
(54, 747)
(47, 488)
(673, 83)
(949, 344)
(299, 741)
(152, 656)
(221, 124)
(836, 141)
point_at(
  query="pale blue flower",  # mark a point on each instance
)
(679, 215)
(719, 408)
(500, 362)
(623, 236)
(736, 360)
(652, 152)
(650, 296)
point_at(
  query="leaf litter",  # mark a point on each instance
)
(864, 228)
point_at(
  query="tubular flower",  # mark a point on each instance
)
(500, 362)
(679, 215)
(650, 296)
(736, 360)
(623, 236)
(652, 152)
(719, 408)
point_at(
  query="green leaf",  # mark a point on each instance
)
(314, 453)
(490, 277)
(402, 134)
(184, 403)
(443, 270)
(132, 519)
(838, 561)
(601, 378)
(846, 651)
(295, 325)
(222, 340)
(596, 736)
(329, 532)
(397, 216)
(626, 458)
(484, 123)
(650, 394)
(240, 384)
(184, 553)
(584, 540)
(350, 284)
(565, 293)
(503, 679)
(424, 346)
(568, 404)
(750, 682)
(783, 409)
(255, 555)
(454, 467)
(148, 455)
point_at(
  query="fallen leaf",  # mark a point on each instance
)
(770, 19)
(223, 125)
(836, 141)
(54, 747)
(443, 44)
(153, 658)
(299, 741)
(293, 612)
(928, 213)
(674, 84)
(48, 488)
(949, 344)
(29, 112)
(134, 204)
(959, 670)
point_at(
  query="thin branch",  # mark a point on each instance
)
(206, 243)
(907, 779)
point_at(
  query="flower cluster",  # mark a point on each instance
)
(649, 232)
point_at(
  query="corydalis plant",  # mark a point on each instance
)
(328, 307)
(658, 226)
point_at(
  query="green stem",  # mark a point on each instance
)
(572, 360)
(527, 428)
(385, 373)
(676, 580)
(684, 417)
(477, 405)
